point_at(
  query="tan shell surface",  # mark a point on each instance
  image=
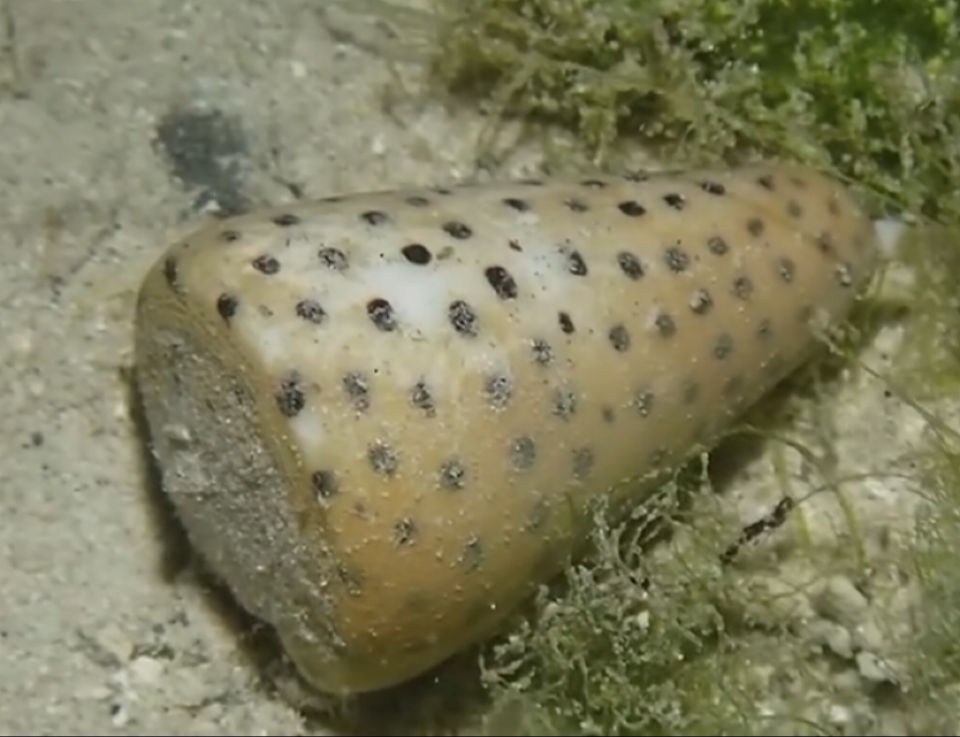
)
(380, 416)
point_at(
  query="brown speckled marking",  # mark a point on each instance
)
(439, 379)
(170, 271)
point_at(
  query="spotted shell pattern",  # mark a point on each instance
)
(381, 417)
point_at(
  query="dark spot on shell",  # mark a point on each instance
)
(442, 191)
(711, 187)
(786, 269)
(357, 387)
(607, 413)
(523, 453)
(619, 338)
(825, 243)
(564, 404)
(636, 176)
(676, 259)
(566, 323)
(286, 219)
(514, 245)
(375, 217)
(405, 532)
(333, 258)
(421, 398)
(755, 227)
(417, 201)
(723, 346)
(575, 263)
(766, 181)
(516, 204)
(643, 401)
(502, 282)
(382, 458)
(289, 395)
(230, 236)
(498, 389)
(472, 555)
(530, 182)
(632, 208)
(583, 462)
(227, 306)
(266, 264)
(463, 318)
(537, 516)
(833, 206)
(416, 253)
(381, 314)
(542, 351)
(630, 264)
(324, 484)
(717, 245)
(691, 391)
(576, 205)
(764, 330)
(675, 200)
(310, 310)
(794, 210)
(458, 230)
(170, 271)
(743, 287)
(665, 325)
(452, 474)
(701, 302)
(594, 183)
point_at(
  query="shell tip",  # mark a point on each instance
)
(890, 232)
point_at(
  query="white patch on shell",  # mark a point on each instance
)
(310, 427)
